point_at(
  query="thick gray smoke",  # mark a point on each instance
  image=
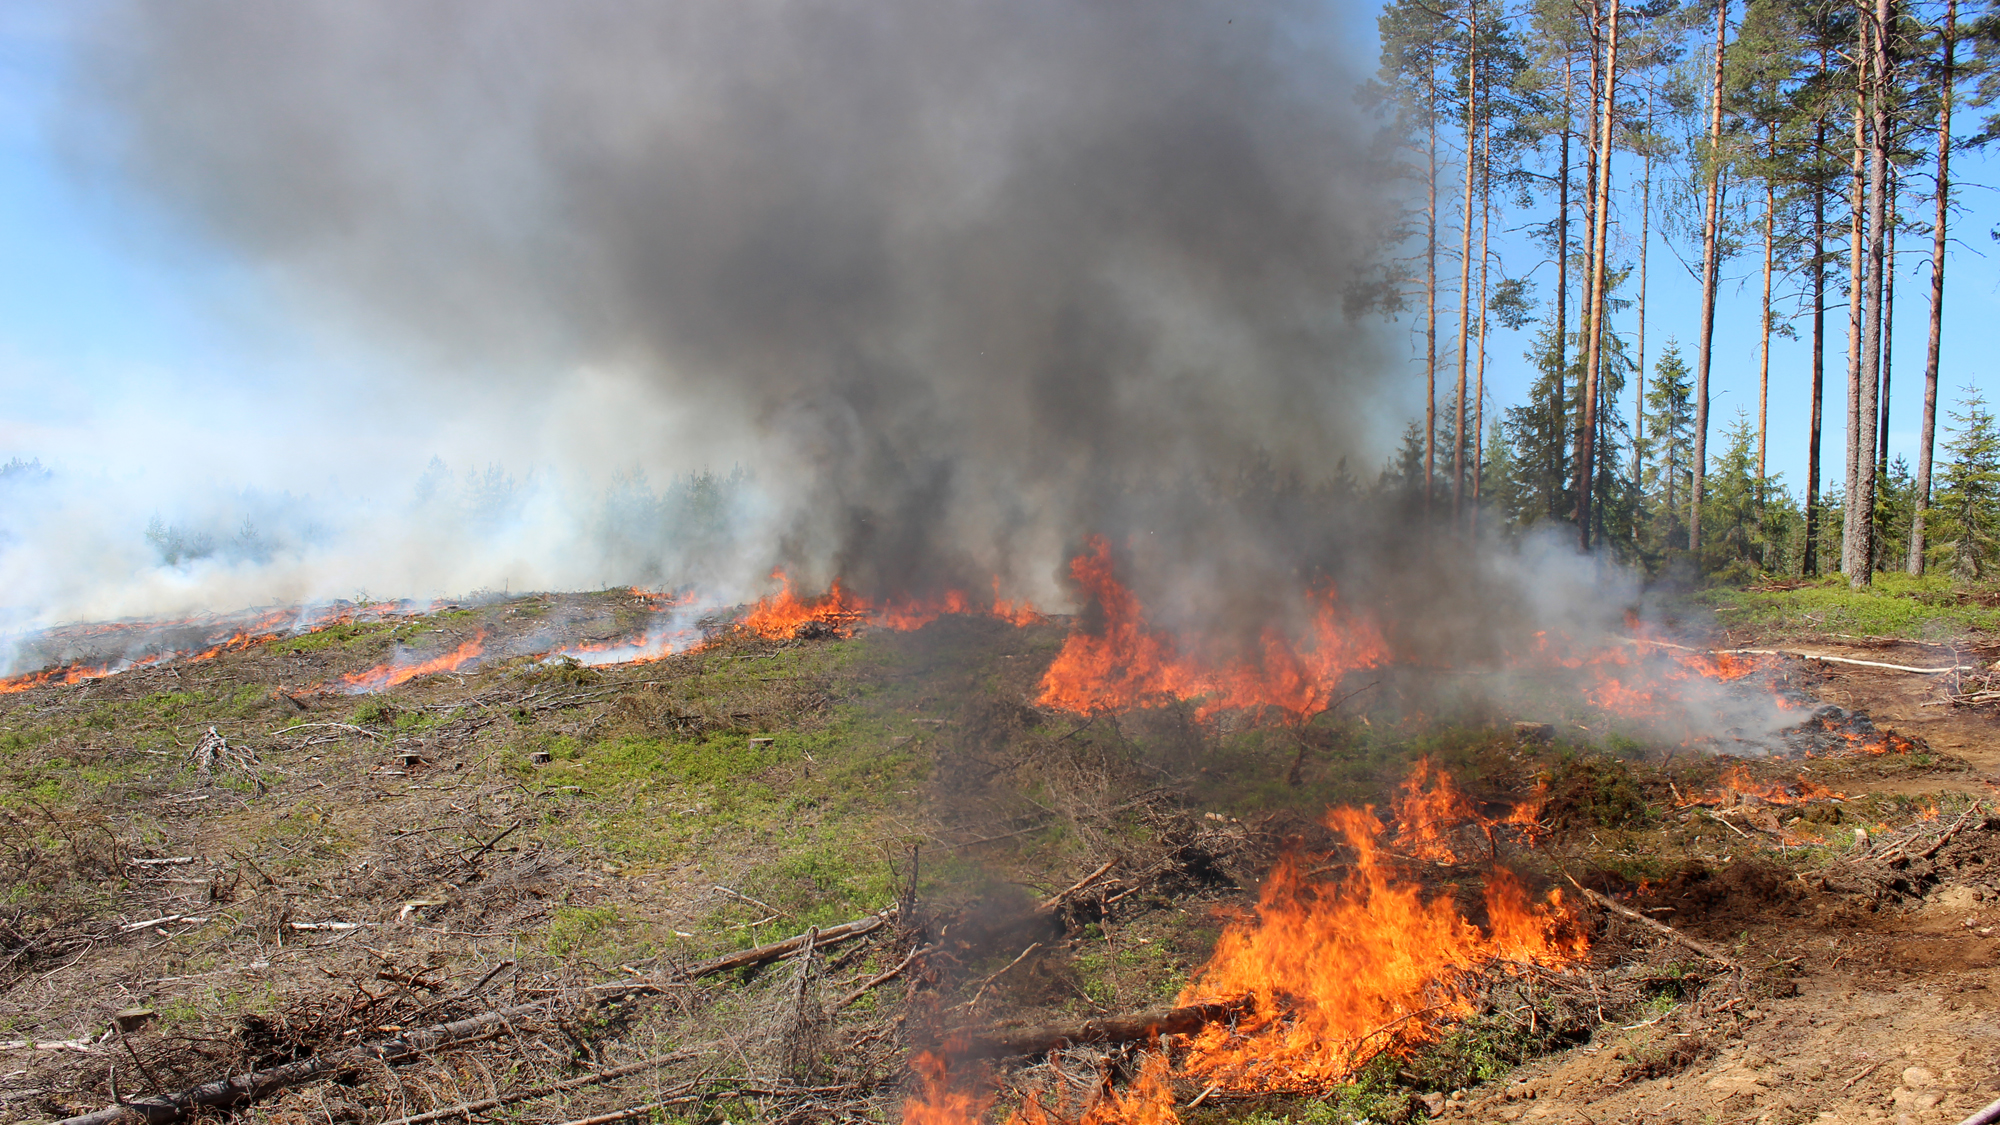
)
(958, 279)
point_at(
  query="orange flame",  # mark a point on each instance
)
(1333, 973)
(242, 634)
(654, 643)
(1427, 811)
(1649, 680)
(1015, 613)
(389, 675)
(75, 673)
(1127, 664)
(779, 616)
(939, 1100)
(1736, 784)
(1339, 973)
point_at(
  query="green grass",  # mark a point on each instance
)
(1896, 605)
(329, 637)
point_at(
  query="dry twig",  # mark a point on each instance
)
(1701, 947)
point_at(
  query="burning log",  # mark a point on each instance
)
(999, 1043)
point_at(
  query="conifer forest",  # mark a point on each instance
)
(1804, 145)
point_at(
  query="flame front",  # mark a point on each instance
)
(1127, 664)
(1332, 973)
(780, 616)
(1339, 973)
(389, 675)
(230, 635)
(1427, 810)
(1736, 783)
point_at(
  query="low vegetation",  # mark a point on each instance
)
(341, 867)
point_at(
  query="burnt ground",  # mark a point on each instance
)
(331, 869)
(1896, 965)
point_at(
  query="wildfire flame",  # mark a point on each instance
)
(1127, 664)
(1333, 973)
(839, 611)
(1736, 783)
(1339, 973)
(655, 642)
(939, 1100)
(1428, 810)
(389, 675)
(1670, 689)
(232, 635)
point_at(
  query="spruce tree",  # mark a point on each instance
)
(1668, 482)
(1965, 515)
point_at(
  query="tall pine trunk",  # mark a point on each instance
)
(1810, 567)
(1923, 488)
(1431, 295)
(1852, 542)
(1560, 407)
(1764, 333)
(1645, 236)
(1871, 328)
(1764, 323)
(1479, 387)
(1465, 258)
(1888, 322)
(1594, 345)
(1711, 270)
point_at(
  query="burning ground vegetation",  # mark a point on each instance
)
(624, 856)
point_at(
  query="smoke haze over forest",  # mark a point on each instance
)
(950, 282)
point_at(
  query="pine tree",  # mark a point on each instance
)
(1414, 76)
(1403, 475)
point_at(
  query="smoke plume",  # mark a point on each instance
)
(960, 282)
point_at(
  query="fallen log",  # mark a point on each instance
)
(1828, 658)
(999, 1043)
(241, 1089)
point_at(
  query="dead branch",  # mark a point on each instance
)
(765, 953)
(467, 1109)
(1006, 1043)
(985, 984)
(1055, 903)
(341, 726)
(1701, 947)
(629, 1112)
(241, 1089)
(884, 978)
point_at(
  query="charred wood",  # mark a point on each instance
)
(1008, 1043)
